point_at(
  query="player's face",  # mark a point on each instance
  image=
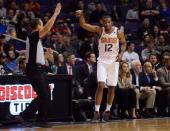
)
(107, 23)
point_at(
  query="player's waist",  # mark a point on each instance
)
(107, 59)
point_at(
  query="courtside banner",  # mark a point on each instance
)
(19, 96)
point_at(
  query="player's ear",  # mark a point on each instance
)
(101, 21)
(112, 23)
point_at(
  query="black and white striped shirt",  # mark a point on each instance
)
(34, 50)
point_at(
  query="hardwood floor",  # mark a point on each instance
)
(122, 125)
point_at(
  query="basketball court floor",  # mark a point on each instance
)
(121, 125)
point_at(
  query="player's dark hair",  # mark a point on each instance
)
(106, 17)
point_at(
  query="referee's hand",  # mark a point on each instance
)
(58, 9)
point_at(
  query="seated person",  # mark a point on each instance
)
(86, 71)
(147, 83)
(126, 93)
(164, 79)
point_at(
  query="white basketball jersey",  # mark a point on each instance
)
(108, 46)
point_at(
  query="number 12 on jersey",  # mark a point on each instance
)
(108, 47)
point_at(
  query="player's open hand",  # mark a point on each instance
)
(58, 9)
(78, 13)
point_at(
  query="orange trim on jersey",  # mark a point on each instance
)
(108, 40)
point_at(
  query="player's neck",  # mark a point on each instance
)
(108, 31)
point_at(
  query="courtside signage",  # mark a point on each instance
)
(19, 96)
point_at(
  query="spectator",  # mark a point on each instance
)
(163, 27)
(2, 65)
(89, 45)
(88, 67)
(155, 32)
(45, 19)
(69, 67)
(153, 59)
(81, 5)
(145, 29)
(33, 5)
(2, 43)
(164, 11)
(148, 50)
(136, 69)
(26, 10)
(68, 46)
(115, 14)
(129, 55)
(22, 28)
(149, 11)
(59, 60)
(56, 42)
(86, 71)
(3, 10)
(11, 62)
(162, 46)
(168, 35)
(165, 56)
(10, 14)
(21, 66)
(62, 28)
(146, 40)
(97, 14)
(147, 81)
(133, 13)
(13, 5)
(92, 6)
(11, 55)
(123, 6)
(164, 79)
(17, 44)
(126, 93)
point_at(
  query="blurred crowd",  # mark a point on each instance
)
(144, 77)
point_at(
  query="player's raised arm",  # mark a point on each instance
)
(47, 27)
(86, 26)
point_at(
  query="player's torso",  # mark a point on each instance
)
(108, 46)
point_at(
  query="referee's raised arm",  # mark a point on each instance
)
(47, 27)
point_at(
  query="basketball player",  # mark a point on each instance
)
(35, 61)
(107, 65)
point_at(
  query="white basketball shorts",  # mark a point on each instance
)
(108, 73)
